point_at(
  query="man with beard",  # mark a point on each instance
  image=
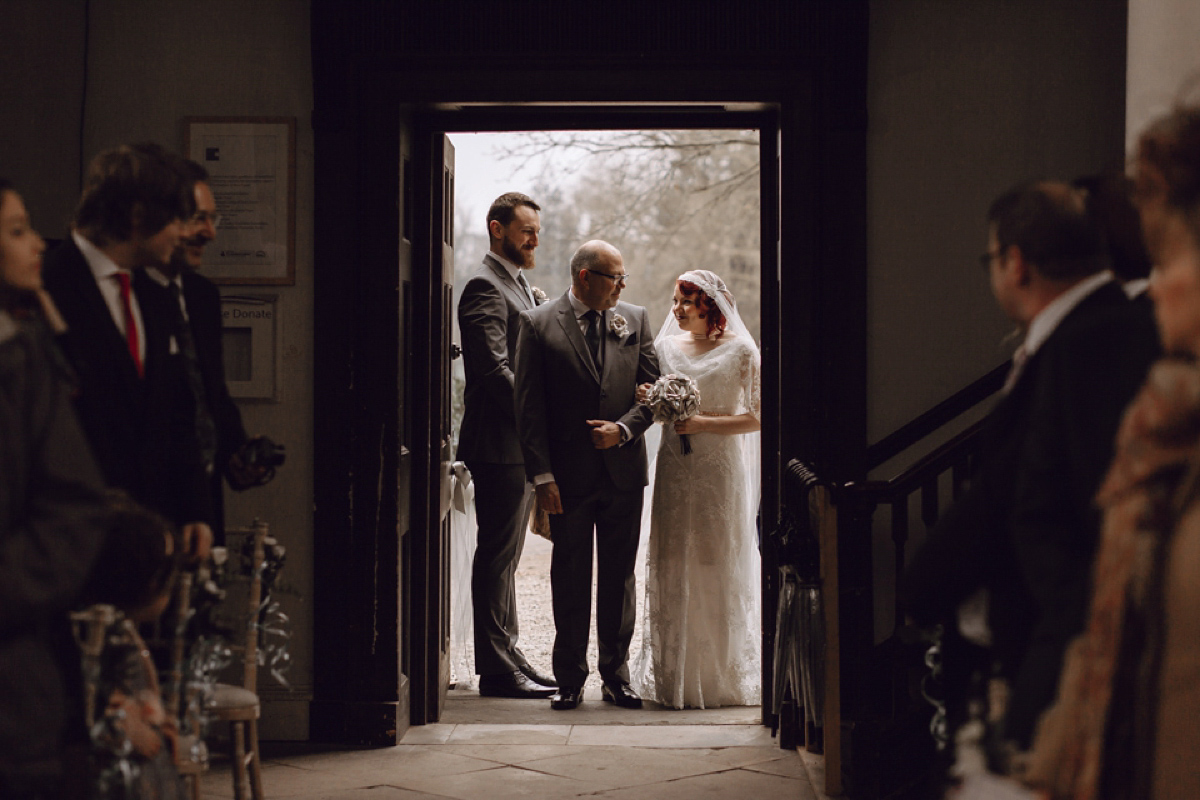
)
(492, 299)
(219, 426)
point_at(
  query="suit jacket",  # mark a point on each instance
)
(559, 388)
(1027, 529)
(142, 430)
(204, 315)
(488, 313)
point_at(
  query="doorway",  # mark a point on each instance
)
(671, 200)
(381, 599)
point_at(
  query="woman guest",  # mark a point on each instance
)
(50, 504)
(1126, 721)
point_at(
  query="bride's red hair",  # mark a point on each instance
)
(707, 306)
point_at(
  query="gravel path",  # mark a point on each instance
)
(537, 617)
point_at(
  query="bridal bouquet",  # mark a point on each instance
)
(673, 398)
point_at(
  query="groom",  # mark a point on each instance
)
(487, 320)
(579, 362)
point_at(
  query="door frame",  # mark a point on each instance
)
(819, 378)
(431, 126)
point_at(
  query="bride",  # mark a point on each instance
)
(700, 640)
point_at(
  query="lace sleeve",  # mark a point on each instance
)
(751, 383)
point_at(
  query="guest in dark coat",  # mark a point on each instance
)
(219, 428)
(50, 508)
(133, 400)
(1026, 531)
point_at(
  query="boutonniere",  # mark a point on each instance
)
(539, 296)
(618, 325)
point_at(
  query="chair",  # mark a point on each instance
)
(189, 767)
(239, 705)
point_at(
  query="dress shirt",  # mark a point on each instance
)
(581, 310)
(1136, 287)
(165, 282)
(1041, 326)
(514, 272)
(104, 270)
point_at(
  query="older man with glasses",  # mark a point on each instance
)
(219, 428)
(580, 360)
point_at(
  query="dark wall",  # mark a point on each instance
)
(966, 100)
(41, 93)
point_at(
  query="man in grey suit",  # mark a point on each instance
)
(579, 361)
(487, 320)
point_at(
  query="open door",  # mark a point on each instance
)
(429, 563)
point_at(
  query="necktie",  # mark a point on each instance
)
(1018, 363)
(593, 334)
(525, 286)
(206, 429)
(131, 332)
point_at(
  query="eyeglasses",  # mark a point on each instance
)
(985, 260)
(203, 217)
(619, 280)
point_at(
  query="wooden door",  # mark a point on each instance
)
(429, 564)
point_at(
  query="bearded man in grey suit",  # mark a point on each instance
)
(487, 320)
(580, 360)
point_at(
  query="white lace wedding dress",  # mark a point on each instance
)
(700, 635)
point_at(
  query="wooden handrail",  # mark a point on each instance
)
(954, 406)
(913, 478)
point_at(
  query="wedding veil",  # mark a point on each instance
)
(712, 285)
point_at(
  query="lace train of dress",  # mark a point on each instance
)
(700, 635)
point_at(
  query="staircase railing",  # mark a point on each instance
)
(881, 737)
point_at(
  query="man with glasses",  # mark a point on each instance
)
(580, 360)
(1027, 528)
(219, 428)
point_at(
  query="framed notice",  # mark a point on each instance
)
(251, 163)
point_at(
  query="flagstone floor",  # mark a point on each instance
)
(595, 751)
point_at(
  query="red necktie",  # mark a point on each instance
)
(131, 333)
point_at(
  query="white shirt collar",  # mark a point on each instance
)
(101, 265)
(579, 306)
(1136, 287)
(512, 269)
(1056, 311)
(163, 280)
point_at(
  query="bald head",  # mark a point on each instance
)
(597, 274)
(589, 254)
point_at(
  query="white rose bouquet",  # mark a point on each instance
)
(673, 398)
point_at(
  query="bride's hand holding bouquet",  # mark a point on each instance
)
(673, 399)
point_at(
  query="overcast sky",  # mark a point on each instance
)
(480, 177)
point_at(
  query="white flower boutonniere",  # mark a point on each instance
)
(618, 325)
(539, 296)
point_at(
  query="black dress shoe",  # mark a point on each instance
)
(567, 699)
(511, 684)
(621, 694)
(533, 675)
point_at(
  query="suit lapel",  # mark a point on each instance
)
(570, 327)
(95, 317)
(508, 281)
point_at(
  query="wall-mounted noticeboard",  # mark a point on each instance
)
(251, 162)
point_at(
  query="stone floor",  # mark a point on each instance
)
(599, 751)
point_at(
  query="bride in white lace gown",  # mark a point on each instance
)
(700, 635)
